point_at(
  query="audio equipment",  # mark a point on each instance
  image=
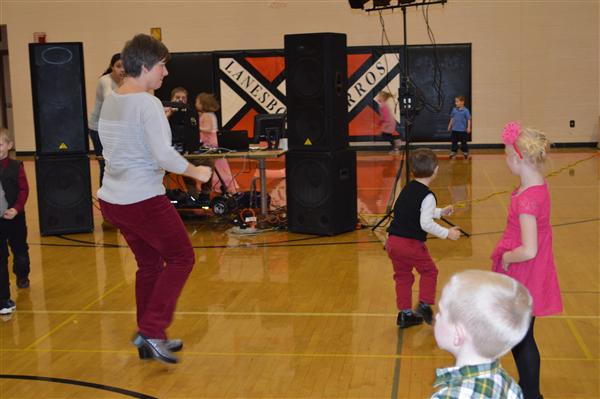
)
(64, 194)
(58, 95)
(321, 191)
(316, 91)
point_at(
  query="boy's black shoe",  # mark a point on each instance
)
(22, 282)
(7, 306)
(406, 320)
(424, 310)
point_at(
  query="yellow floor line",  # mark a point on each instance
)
(70, 319)
(261, 314)
(496, 191)
(277, 354)
(586, 351)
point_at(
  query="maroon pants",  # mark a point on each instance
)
(164, 254)
(405, 254)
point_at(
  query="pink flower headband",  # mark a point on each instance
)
(510, 134)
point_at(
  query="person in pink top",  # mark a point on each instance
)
(525, 250)
(387, 122)
(206, 105)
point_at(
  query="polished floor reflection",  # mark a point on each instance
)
(278, 314)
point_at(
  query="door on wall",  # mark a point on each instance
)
(6, 120)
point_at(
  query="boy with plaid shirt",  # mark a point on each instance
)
(481, 316)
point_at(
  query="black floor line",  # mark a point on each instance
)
(396, 379)
(93, 385)
(284, 243)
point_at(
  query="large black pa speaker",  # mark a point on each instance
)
(321, 191)
(64, 194)
(316, 91)
(58, 94)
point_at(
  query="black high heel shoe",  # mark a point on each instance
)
(174, 345)
(156, 349)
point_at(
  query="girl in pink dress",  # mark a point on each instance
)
(387, 122)
(207, 105)
(525, 250)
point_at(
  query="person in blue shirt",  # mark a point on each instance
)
(460, 127)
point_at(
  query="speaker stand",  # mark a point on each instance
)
(407, 103)
(392, 198)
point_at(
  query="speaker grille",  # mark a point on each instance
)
(58, 95)
(310, 122)
(321, 191)
(64, 186)
(316, 87)
(308, 78)
(64, 194)
(311, 186)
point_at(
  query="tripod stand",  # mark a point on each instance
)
(408, 109)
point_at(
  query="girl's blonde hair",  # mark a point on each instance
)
(208, 101)
(385, 95)
(533, 145)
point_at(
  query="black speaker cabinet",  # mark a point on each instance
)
(58, 95)
(64, 194)
(321, 191)
(316, 91)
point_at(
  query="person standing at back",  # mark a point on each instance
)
(459, 127)
(109, 81)
(206, 105)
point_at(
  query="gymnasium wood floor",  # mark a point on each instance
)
(287, 315)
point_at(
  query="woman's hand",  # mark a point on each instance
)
(202, 173)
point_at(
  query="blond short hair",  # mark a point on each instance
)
(533, 145)
(385, 95)
(5, 135)
(494, 309)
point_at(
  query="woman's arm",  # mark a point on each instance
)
(157, 136)
(529, 244)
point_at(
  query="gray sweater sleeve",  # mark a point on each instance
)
(158, 138)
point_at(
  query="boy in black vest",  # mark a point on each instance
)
(414, 211)
(13, 230)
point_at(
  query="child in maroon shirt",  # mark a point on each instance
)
(13, 227)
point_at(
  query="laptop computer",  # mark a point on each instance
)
(234, 140)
